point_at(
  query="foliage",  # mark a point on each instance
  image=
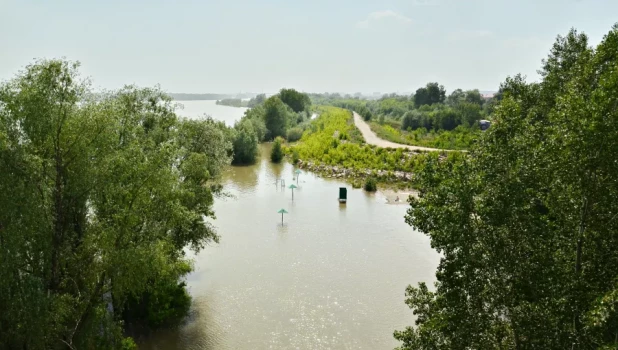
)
(294, 134)
(232, 102)
(461, 109)
(276, 154)
(371, 184)
(297, 101)
(256, 116)
(526, 223)
(276, 117)
(165, 303)
(245, 142)
(322, 143)
(256, 101)
(128, 344)
(295, 156)
(430, 94)
(100, 197)
(460, 138)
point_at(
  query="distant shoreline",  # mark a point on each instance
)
(208, 97)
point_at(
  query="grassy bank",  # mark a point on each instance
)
(333, 141)
(460, 138)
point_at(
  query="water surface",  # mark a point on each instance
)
(199, 108)
(331, 277)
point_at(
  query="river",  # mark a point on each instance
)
(199, 108)
(331, 277)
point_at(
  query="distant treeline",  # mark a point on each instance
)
(427, 118)
(233, 102)
(192, 97)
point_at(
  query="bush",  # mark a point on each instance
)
(356, 184)
(295, 156)
(276, 155)
(128, 344)
(245, 143)
(371, 184)
(294, 134)
(165, 304)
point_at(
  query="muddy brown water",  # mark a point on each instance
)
(332, 276)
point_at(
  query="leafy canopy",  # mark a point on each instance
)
(100, 194)
(527, 222)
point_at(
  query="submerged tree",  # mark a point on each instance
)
(276, 154)
(527, 223)
(100, 194)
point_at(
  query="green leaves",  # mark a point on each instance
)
(525, 221)
(101, 194)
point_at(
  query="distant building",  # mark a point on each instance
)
(488, 96)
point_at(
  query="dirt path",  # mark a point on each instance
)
(373, 139)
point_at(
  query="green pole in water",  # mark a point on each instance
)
(292, 186)
(297, 175)
(282, 211)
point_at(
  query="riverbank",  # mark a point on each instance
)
(335, 147)
(371, 138)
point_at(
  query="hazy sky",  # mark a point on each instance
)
(312, 45)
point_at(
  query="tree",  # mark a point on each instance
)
(256, 116)
(245, 143)
(430, 94)
(297, 101)
(276, 154)
(526, 223)
(474, 96)
(411, 120)
(256, 101)
(101, 194)
(276, 116)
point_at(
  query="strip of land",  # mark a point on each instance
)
(373, 139)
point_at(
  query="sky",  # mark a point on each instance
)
(347, 46)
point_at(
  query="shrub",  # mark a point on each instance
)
(128, 344)
(371, 184)
(294, 134)
(245, 143)
(277, 153)
(295, 156)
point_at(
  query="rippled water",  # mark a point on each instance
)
(331, 277)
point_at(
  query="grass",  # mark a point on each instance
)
(459, 139)
(332, 139)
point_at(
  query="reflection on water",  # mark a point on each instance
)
(332, 276)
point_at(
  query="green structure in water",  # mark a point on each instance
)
(343, 194)
(292, 186)
(282, 211)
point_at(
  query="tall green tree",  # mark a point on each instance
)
(276, 117)
(100, 194)
(276, 154)
(526, 222)
(430, 94)
(245, 143)
(297, 101)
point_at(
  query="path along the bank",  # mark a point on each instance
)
(373, 139)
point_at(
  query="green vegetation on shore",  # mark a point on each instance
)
(428, 118)
(233, 102)
(459, 139)
(284, 115)
(526, 222)
(333, 139)
(100, 198)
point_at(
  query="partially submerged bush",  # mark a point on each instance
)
(371, 184)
